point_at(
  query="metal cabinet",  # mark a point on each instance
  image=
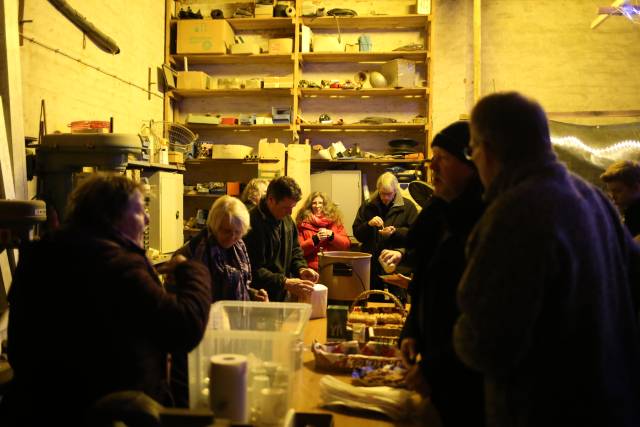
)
(165, 211)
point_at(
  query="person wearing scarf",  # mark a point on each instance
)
(320, 228)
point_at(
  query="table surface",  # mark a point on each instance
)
(308, 398)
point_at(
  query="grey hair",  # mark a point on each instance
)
(388, 181)
(232, 209)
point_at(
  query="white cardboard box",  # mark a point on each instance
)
(399, 73)
(280, 46)
(193, 80)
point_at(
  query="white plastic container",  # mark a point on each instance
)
(270, 336)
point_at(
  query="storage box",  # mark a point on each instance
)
(399, 73)
(277, 82)
(264, 10)
(245, 49)
(193, 80)
(230, 151)
(253, 83)
(204, 36)
(205, 119)
(327, 44)
(268, 334)
(305, 39)
(281, 115)
(280, 46)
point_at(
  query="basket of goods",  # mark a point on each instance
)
(384, 322)
(388, 375)
(347, 355)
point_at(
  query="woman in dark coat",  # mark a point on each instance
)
(89, 315)
(383, 222)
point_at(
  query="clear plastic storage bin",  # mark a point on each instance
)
(270, 335)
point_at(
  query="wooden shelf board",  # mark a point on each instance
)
(203, 58)
(418, 55)
(419, 92)
(364, 161)
(196, 93)
(243, 128)
(203, 196)
(205, 162)
(141, 164)
(385, 126)
(380, 22)
(255, 24)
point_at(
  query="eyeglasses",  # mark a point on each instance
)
(468, 152)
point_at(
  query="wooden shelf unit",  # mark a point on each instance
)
(395, 22)
(360, 57)
(418, 92)
(203, 93)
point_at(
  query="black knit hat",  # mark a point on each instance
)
(455, 139)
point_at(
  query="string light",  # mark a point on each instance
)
(610, 152)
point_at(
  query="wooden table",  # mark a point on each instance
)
(308, 398)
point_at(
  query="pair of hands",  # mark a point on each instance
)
(302, 287)
(324, 234)
(389, 259)
(377, 222)
(414, 378)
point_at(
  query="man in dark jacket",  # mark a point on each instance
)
(383, 222)
(623, 184)
(549, 295)
(435, 251)
(277, 262)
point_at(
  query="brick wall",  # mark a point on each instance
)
(543, 48)
(73, 91)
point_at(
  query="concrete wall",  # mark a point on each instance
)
(73, 91)
(543, 48)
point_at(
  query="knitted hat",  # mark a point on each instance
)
(455, 139)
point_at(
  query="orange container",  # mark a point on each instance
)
(233, 188)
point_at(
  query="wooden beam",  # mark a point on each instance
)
(477, 50)
(11, 93)
(8, 192)
(601, 113)
(601, 18)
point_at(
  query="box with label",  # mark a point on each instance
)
(204, 36)
(399, 73)
(280, 46)
(193, 80)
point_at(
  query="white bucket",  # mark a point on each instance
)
(346, 274)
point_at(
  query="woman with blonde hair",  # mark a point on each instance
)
(320, 228)
(221, 249)
(253, 192)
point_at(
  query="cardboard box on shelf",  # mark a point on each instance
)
(399, 73)
(204, 36)
(245, 49)
(193, 80)
(280, 46)
(322, 43)
(264, 10)
(277, 82)
(205, 119)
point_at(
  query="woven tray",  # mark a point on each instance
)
(328, 356)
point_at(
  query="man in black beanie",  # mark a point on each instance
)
(436, 252)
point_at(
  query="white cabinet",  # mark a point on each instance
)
(165, 211)
(344, 188)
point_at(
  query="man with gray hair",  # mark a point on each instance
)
(548, 300)
(623, 185)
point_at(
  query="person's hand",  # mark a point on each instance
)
(309, 274)
(399, 280)
(261, 295)
(169, 266)
(299, 288)
(390, 256)
(387, 231)
(414, 379)
(409, 351)
(376, 221)
(324, 234)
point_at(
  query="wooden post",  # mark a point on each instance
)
(11, 93)
(477, 50)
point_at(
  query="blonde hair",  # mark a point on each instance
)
(388, 181)
(252, 190)
(231, 208)
(329, 208)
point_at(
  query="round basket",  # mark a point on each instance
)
(180, 138)
(364, 295)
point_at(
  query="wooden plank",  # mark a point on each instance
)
(419, 55)
(602, 113)
(263, 58)
(8, 192)
(417, 92)
(201, 93)
(390, 22)
(11, 92)
(477, 50)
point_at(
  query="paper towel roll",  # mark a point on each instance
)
(228, 387)
(290, 12)
(319, 301)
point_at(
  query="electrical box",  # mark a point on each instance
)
(165, 211)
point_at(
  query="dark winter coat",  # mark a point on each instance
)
(548, 303)
(435, 248)
(89, 316)
(274, 251)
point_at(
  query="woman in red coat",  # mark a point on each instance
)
(320, 228)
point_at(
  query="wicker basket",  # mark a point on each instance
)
(341, 362)
(389, 317)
